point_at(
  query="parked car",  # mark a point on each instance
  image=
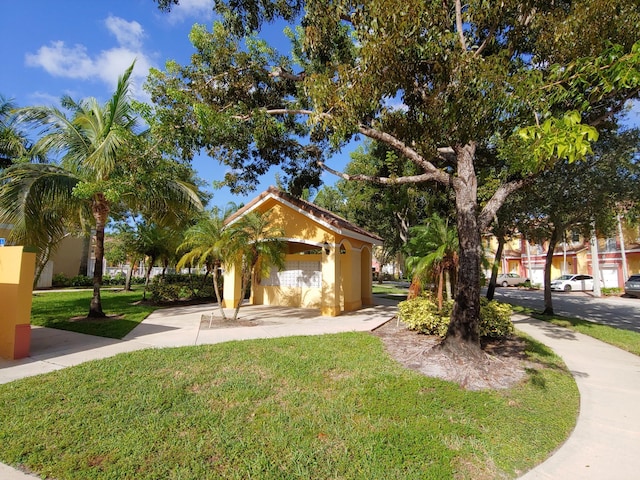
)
(632, 286)
(510, 279)
(567, 283)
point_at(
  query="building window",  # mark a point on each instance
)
(610, 245)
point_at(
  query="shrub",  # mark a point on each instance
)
(176, 287)
(421, 314)
(611, 291)
(60, 280)
(495, 319)
(81, 281)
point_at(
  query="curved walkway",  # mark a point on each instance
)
(603, 445)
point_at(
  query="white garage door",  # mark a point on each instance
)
(610, 277)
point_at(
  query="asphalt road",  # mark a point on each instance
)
(618, 312)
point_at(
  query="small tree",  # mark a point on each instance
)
(254, 245)
(205, 244)
(433, 250)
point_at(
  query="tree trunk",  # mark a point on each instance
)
(216, 289)
(127, 282)
(152, 261)
(440, 288)
(463, 334)
(100, 209)
(491, 289)
(548, 301)
(84, 259)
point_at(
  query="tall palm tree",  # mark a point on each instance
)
(205, 245)
(254, 244)
(92, 175)
(433, 252)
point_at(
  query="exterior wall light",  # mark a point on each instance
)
(325, 246)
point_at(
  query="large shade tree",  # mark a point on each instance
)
(455, 89)
(579, 197)
(97, 172)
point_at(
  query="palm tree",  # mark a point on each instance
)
(433, 252)
(205, 244)
(155, 242)
(254, 244)
(93, 176)
(13, 143)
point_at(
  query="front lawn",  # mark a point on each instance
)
(330, 406)
(66, 311)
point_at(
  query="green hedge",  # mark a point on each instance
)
(421, 314)
(174, 287)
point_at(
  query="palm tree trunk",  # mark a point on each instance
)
(152, 260)
(440, 288)
(216, 290)
(127, 282)
(100, 210)
(84, 259)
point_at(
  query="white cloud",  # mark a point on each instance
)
(198, 9)
(128, 34)
(62, 61)
(75, 62)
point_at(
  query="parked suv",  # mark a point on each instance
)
(632, 286)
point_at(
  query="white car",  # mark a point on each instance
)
(567, 283)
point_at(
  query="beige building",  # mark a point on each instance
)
(328, 260)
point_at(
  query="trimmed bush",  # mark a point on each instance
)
(495, 319)
(421, 314)
(81, 281)
(60, 280)
(180, 287)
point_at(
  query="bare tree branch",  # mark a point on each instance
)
(281, 73)
(463, 43)
(490, 210)
(425, 177)
(429, 169)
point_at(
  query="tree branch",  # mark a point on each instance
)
(490, 210)
(463, 43)
(429, 169)
(485, 43)
(425, 177)
(281, 73)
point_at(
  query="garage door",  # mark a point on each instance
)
(610, 277)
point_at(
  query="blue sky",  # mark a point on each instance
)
(80, 47)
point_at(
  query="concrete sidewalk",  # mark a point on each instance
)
(606, 440)
(603, 445)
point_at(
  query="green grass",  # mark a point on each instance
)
(330, 406)
(621, 338)
(57, 309)
(388, 289)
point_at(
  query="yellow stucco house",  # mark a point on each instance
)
(328, 260)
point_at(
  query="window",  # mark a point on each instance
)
(610, 245)
(295, 274)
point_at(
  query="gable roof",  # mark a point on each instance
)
(318, 214)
